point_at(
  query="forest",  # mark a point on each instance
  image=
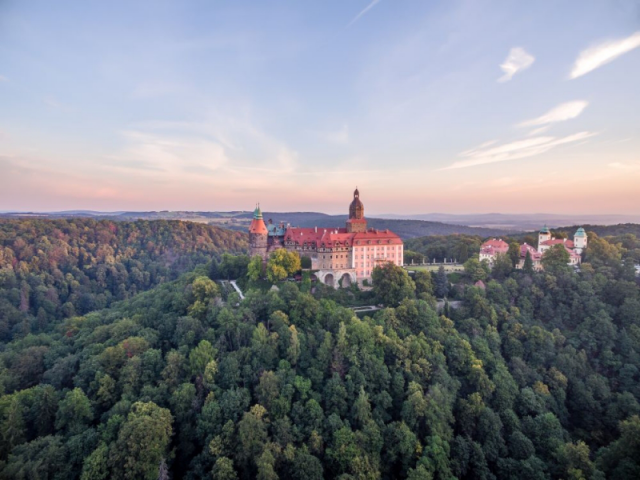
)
(535, 375)
(54, 269)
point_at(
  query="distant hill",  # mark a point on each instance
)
(405, 228)
(532, 221)
(608, 230)
(239, 221)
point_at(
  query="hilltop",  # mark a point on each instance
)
(240, 220)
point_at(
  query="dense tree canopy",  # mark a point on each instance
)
(440, 247)
(52, 269)
(535, 376)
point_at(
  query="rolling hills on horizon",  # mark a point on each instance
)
(239, 221)
(407, 226)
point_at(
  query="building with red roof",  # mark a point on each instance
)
(574, 247)
(536, 256)
(341, 256)
(490, 250)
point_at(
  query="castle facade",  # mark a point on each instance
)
(340, 256)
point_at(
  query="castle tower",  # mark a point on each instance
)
(258, 235)
(580, 241)
(543, 236)
(356, 223)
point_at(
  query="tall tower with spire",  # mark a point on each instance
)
(356, 223)
(258, 235)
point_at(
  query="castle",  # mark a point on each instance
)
(340, 256)
(494, 247)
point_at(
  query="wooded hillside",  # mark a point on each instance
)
(52, 269)
(535, 376)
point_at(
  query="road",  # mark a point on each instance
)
(367, 308)
(235, 286)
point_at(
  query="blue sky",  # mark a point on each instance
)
(205, 105)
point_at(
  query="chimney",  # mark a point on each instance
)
(316, 229)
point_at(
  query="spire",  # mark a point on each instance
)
(257, 213)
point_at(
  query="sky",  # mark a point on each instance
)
(454, 106)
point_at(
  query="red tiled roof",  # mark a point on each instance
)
(318, 237)
(557, 241)
(330, 237)
(535, 255)
(385, 236)
(494, 246)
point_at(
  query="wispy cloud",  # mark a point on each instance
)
(517, 60)
(564, 111)
(514, 150)
(603, 53)
(363, 12)
(3, 78)
(627, 167)
(225, 145)
(538, 131)
(170, 154)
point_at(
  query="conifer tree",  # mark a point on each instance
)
(442, 283)
(528, 264)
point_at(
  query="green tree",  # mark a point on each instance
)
(528, 264)
(424, 284)
(74, 412)
(392, 284)
(502, 267)
(142, 442)
(411, 257)
(204, 289)
(621, 459)
(200, 357)
(223, 470)
(475, 270)
(96, 466)
(514, 253)
(555, 258)
(441, 283)
(293, 351)
(255, 267)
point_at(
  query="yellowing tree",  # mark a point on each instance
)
(281, 264)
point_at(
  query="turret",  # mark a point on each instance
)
(258, 235)
(543, 236)
(580, 240)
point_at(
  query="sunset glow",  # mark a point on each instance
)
(458, 107)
